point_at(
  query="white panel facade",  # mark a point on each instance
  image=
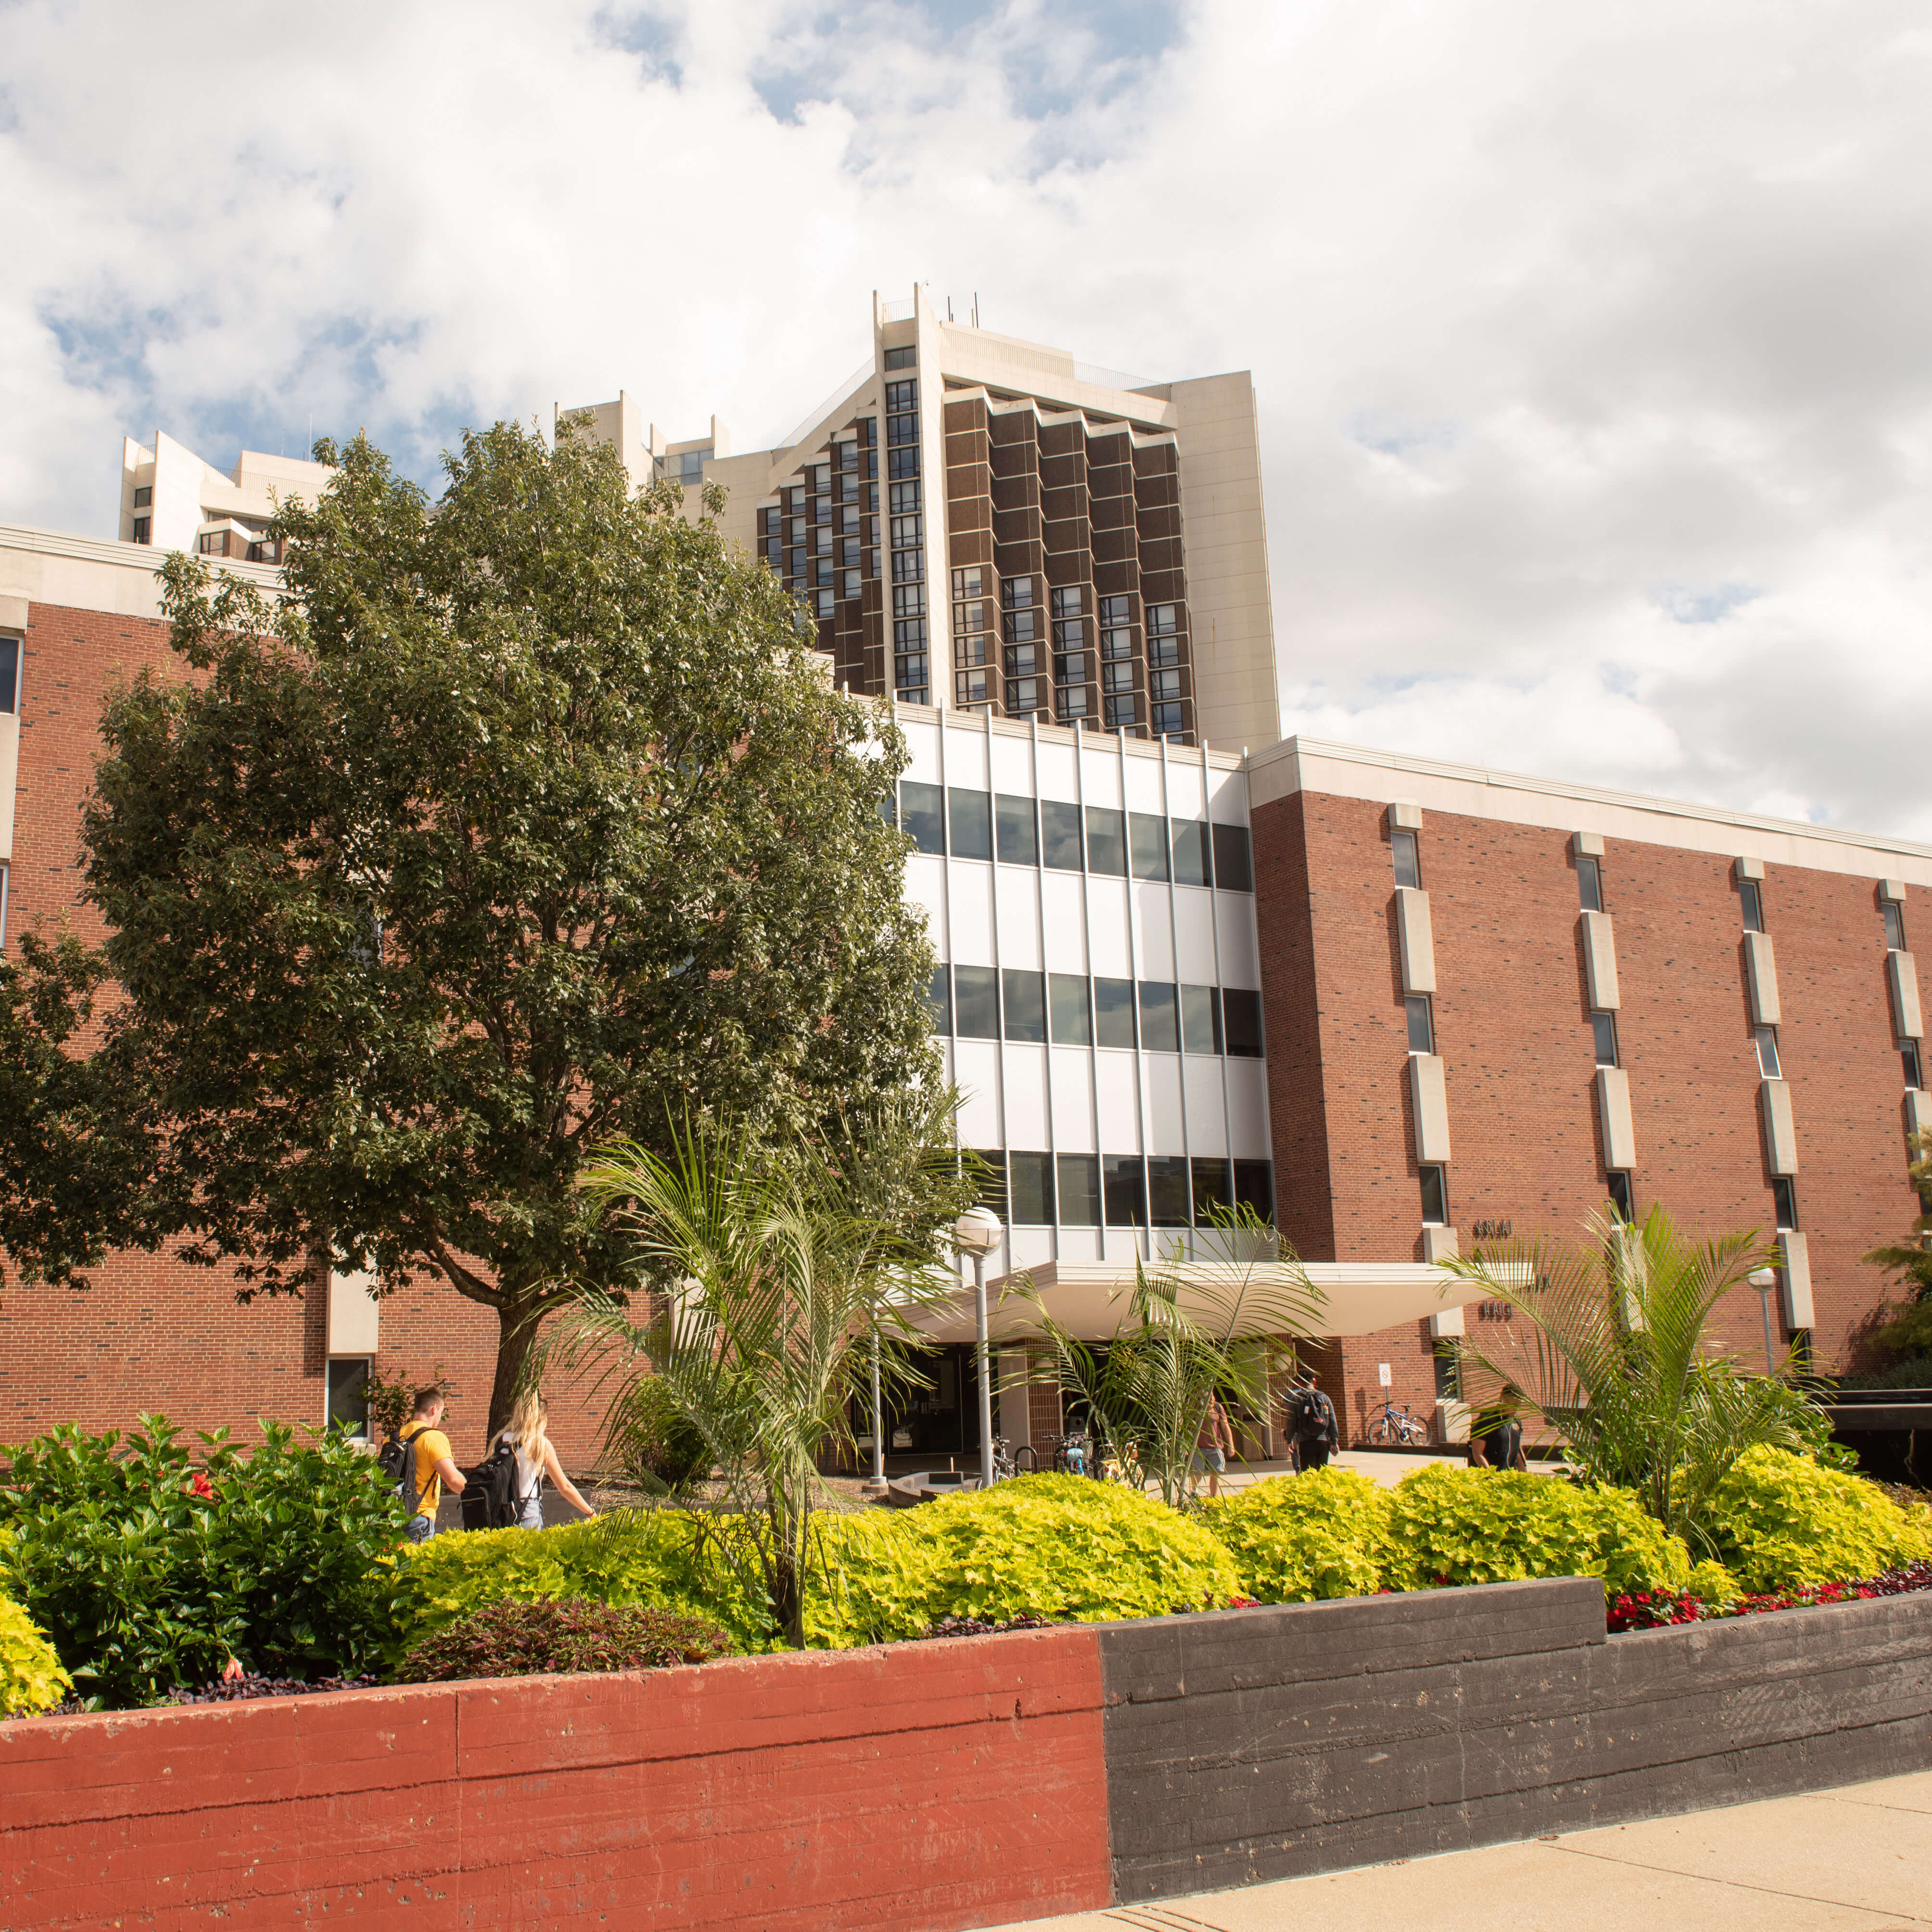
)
(1009, 762)
(1241, 954)
(925, 885)
(964, 754)
(976, 1068)
(1120, 1122)
(1019, 908)
(1207, 1106)
(1072, 1071)
(1247, 1109)
(1100, 773)
(1063, 922)
(1025, 1088)
(1058, 776)
(923, 743)
(971, 935)
(1107, 943)
(1167, 1125)
(1145, 790)
(1153, 920)
(1229, 796)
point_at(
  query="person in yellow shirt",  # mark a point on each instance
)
(434, 1465)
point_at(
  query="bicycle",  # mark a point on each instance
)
(1394, 1425)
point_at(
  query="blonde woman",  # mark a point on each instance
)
(536, 1458)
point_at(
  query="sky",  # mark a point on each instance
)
(1593, 345)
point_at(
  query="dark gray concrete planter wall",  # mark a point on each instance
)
(1258, 1744)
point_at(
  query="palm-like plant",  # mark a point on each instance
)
(772, 1289)
(1617, 1358)
(1188, 1334)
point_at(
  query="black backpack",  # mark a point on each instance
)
(396, 1460)
(491, 1499)
(1320, 1414)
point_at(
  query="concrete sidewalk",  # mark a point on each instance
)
(1858, 1858)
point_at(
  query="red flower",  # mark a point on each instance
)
(201, 1487)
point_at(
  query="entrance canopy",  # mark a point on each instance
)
(1092, 1298)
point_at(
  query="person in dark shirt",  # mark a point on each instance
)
(1500, 1445)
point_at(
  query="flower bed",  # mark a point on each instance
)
(1653, 1610)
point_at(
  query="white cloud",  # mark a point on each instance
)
(1596, 412)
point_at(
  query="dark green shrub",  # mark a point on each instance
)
(149, 1572)
(511, 1640)
(669, 1450)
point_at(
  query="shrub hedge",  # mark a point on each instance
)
(1295, 1539)
(30, 1676)
(533, 1640)
(1783, 1523)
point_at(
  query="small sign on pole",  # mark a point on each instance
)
(1382, 1371)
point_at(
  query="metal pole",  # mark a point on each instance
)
(1764, 1308)
(878, 1482)
(986, 1375)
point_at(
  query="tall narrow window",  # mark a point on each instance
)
(1894, 913)
(1751, 905)
(1915, 1072)
(1603, 1027)
(1766, 1038)
(1407, 857)
(10, 674)
(1589, 884)
(1784, 1205)
(1435, 1198)
(1421, 1026)
(939, 1000)
(1623, 1196)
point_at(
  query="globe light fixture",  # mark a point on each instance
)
(977, 1233)
(1764, 1280)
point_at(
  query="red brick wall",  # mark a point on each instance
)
(940, 1785)
(1512, 1024)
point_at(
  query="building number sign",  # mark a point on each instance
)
(1490, 1230)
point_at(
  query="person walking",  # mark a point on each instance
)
(1213, 1446)
(1500, 1446)
(431, 1462)
(1316, 1430)
(526, 1435)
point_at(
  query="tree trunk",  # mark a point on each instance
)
(517, 1323)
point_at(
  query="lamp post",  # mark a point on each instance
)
(1764, 1280)
(977, 1233)
(875, 1484)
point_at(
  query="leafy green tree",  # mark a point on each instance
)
(775, 1284)
(519, 824)
(1618, 1360)
(1909, 1330)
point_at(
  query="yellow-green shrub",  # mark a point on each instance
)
(1462, 1525)
(1781, 1522)
(30, 1676)
(1295, 1539)
(1712, 1583)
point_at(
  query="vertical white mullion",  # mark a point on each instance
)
(1145, 1242)
(986, 721)
(1220, 984)
(1045, 982)
(1086, 947)
(1180, 1015)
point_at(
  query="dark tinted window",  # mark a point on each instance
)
(939, 997)
(1421, 1033)
(1604, 1029)
(1750, 902)
(1148, 836)
(971, 812)
(1254, 1187)
(1893, 914)
(1106, 841)
(1784, 1205)
(1589, 885)
(1072, 1019)
(922, 814)
(1125, 1188)
(1623, 1196)
(1435, 1199)
(1079, 1191)
(1408, 859)
(975, 1002)
(1210, 1189)
(1241, 1021)
(1234, 871)
(1167, 1190)
(1191, 864)
(1160, 1030)
(1019, 841)
(1113, 1012)
(10, 674)
(1030, 1189)
(1060, 834)
(1200, 1019)
(1026, 1005)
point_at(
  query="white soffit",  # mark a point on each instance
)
(1352, 771)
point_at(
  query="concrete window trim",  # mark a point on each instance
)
(1761, 978)
(1749, 869)
(1781, 1133)
(1907, 1017)
(1405, 815)
(1918, 1111)
(1794, 1281)
(1416, 939)
(1890, 890)
(1441, 1244)
(1586, 845)
(355, 1316)
(1613, 1116)
(1600, 960)
(1428, 1089)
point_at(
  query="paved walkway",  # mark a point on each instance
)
(1387, 1466)
(1855, 1859)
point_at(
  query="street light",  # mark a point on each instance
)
(977, 1233)
(1764, 1280)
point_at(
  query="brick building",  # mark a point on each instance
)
(1402, 1002)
